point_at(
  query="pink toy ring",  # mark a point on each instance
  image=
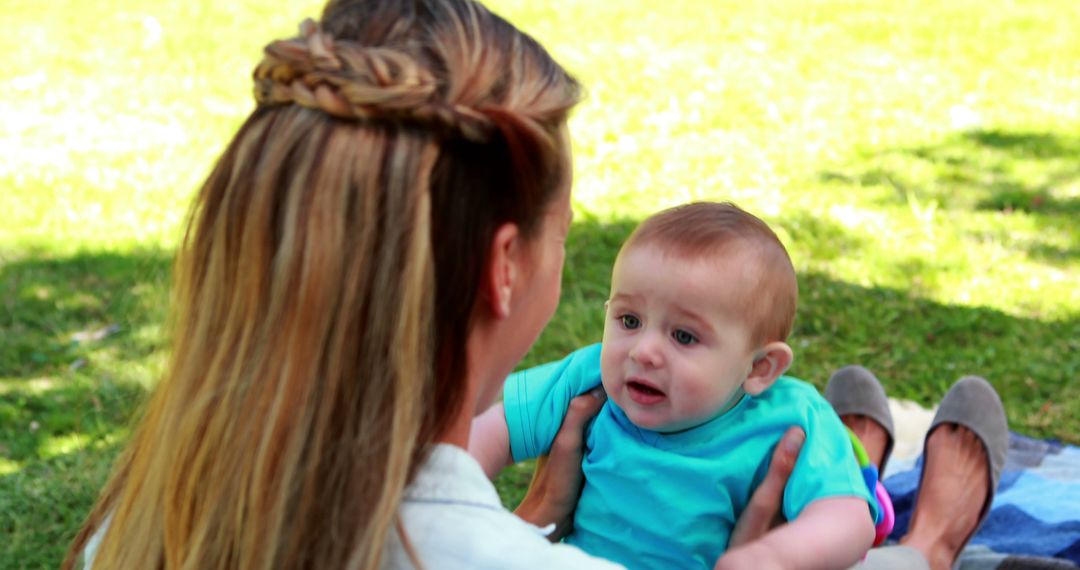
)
(888, 516)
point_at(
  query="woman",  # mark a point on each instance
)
(344, 291)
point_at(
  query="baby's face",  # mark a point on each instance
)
(675, 351)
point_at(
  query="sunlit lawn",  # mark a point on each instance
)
(920, 159)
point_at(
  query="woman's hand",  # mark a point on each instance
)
(763, 513)
(556, 483)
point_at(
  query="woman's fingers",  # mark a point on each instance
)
(571, 437)
(556, 483)
(763, 512)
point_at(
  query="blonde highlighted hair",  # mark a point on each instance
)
(324, 288)
(712, 229)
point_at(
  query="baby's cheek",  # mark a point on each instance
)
(702, 398)
(608, 367)
(610, 336)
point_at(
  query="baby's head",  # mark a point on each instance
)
(702, 301)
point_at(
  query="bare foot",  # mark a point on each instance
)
(873, 437)
(951, 496)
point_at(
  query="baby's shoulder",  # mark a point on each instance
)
(797, 392)
(790, 398)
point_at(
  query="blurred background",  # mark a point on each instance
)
(920, 159)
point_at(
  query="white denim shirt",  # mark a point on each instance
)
(454, 520)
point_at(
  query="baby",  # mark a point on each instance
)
(702, 301)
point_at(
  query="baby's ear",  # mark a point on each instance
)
(771, 361)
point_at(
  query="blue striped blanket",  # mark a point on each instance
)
(1034, 521)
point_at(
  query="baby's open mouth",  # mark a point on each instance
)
(643, 393)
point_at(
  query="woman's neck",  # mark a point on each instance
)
(457, 433)
(487, 366)
(458, 429)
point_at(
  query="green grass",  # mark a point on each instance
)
(918, 158)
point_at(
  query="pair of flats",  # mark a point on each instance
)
(971, 403)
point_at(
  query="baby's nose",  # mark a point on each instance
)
(649, 350)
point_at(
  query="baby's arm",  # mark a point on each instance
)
(833, 532)
(489, 441)
(541, 404)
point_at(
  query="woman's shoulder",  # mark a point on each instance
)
(452, 536)
(452, 518)
(496, 542)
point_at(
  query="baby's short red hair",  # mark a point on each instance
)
(701, 229)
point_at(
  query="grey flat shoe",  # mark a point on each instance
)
(854, 390)
(974, 404)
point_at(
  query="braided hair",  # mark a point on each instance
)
(351, 81)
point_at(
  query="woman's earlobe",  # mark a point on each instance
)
(503, 301)
(503, 269)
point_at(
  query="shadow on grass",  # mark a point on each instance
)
(57, 311)
(43, 505)
(79, 340)
(37, 423)
(826, 239)
(991, 171)
(79, 336)
(916, 346)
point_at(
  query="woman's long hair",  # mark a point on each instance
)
(324, 287)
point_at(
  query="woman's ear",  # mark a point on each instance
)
(503, 270)
(769, 363)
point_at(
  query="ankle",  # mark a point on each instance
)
(934, 549)
(871, 434)
(939, 536)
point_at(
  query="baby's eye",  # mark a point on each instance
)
(683, 337)
(630, 322)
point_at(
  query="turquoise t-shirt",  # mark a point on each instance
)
(655, 500)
